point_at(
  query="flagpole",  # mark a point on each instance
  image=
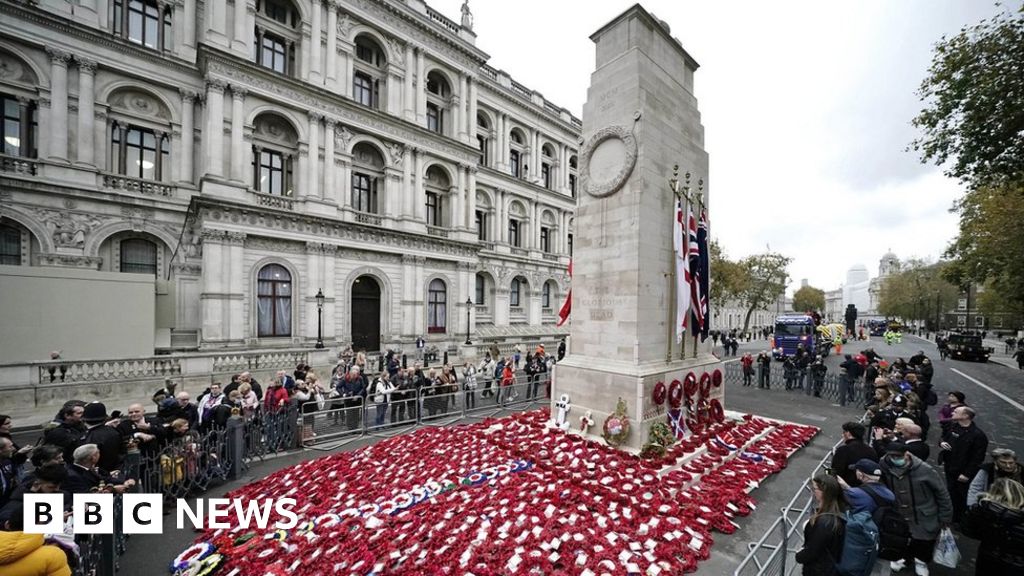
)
(674, 184)
(686, 196)
(702, 208)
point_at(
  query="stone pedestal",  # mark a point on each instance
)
(640, 120)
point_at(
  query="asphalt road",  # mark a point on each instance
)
(999, 417)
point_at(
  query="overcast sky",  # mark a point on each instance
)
(806, 108)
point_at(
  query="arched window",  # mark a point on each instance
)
(438, 187)
(274, 148)
(367, 173)
(483, 138)
(547, 174)
(369, 71)
(138, 256)
(514, 293)
(516, 220)
(18, 124)
(144, 22)
(10, 246)
(481, 290)
(572, 175)
(438, 97)
(140, 152)
(274, 301)
(545, 296)
(437, 299)
(276, 35)
(515, 153)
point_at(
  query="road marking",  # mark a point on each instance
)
(1008, 400)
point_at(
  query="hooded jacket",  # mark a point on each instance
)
(921, 496)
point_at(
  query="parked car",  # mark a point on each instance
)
(968, 347)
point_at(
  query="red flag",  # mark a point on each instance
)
(563, 313)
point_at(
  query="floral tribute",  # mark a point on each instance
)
(504, 496)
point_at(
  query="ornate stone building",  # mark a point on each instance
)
(248, 154)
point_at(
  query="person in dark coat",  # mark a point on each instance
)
(852, 450)
(963, 446)
(923, 501)
(997, 520)
(67, 433)
(102, 432)
(824, 531)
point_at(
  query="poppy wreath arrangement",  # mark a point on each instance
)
(503, 496)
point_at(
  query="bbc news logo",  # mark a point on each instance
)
(143, 513)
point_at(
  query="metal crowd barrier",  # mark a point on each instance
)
(774, 554)
(827, 387)
(346, 419)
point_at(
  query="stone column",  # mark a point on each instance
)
(304, 52)
(459, 189)
(315, 73)
(421, 89)
(100, 140)
(58, 125)
(462, 117)
(500, 221)
(217, 26)
(535, 157)
(86, 112)
(409, 94)
(535, 227)
(392, 192)
(240, 43)
(345, 177)
(212, 301)
(314, 282)
(313, 188)
(303, 172)
(501, 144)
(188, 134)
(188, 24)
(236, 270)
(471, 120)
(332, 45)
(329, 192)
(471, 199)
(214, 132)
(237, 132)
(347, 63)
(419, 200)
(408, 190)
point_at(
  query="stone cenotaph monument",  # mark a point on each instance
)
(640, 120)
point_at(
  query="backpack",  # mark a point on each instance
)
(860, 545)
(893, 528)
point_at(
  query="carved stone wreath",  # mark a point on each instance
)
(613, 185)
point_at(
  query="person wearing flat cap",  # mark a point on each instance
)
(866, 496)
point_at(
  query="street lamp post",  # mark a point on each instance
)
(320, 318)
(469, 307)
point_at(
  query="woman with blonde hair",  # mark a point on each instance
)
(997, 520)
(824, 531)
(250, 402)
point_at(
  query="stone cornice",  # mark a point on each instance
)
(417, 28)
(511, 183)
(63, 26)
(295, 92)
(255, 219)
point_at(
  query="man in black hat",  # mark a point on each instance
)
(103, 433)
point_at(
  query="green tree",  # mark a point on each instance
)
(918, 293)
(766, 279)
(989, 250)
(992, 304)
(728, 278)
(809, 299)
(973, 120)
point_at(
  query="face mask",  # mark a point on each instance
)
(898, 462)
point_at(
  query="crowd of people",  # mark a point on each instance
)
(84, 448)
(912, 489)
